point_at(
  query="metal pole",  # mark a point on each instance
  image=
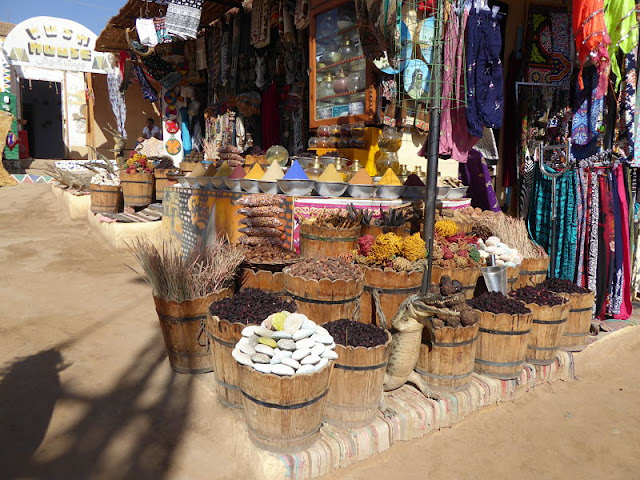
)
(433, 147)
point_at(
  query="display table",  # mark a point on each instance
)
(191, 215)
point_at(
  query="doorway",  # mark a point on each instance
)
(42, 109)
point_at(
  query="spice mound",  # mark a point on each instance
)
(557, 285)
(250, 306)
(355, 334)
(330, 268)
(496, 302)
(537, 295)
(285, 344)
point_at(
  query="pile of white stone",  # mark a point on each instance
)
(285, 344)
(509, 257)
(105, 178)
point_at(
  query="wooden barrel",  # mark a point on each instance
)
(105, 198)
(226, 370)
(284, 414)
(576, 333)
(137, 188)
(188, 166)
(533, 271)
(375, 230)
(325, 300)
(391, 289)
(513, 274)
(547, 327)
(356, 385)
(447, 356)
(468, 277)
(502, 346)
(265, 276)
(184, 327)
(162, 181)
(321, 242)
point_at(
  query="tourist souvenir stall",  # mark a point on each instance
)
(341, 277)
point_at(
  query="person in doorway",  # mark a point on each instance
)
(151, 130)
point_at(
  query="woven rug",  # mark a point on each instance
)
(416, 415)
(152, 213)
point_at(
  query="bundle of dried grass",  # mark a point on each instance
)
(176, 278)
(513, 232)
(210, 148)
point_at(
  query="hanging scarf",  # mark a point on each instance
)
(146, 32)
(622, 25)
(260, 23)
(116, 97)
(183, 18)
(148, 92)
(625, 306)
(592, 39)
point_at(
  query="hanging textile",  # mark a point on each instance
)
(484, 71)
(371, 36)
(260, 23)
(148, 92)
(591, 40)
(161, 30)
(475, 174)
(606, 245)
(540, 224)
(183, 18)
(161, 70)
(622, 26)
(455, 139)
(116, 97)
(146, 32)
(270, 117)
(201, 53)
(548, 41)
(625, 305)
(301, 15)
(184, 127)
(628, 106)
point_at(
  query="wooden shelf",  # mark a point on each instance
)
(341, 62)
(337, 95)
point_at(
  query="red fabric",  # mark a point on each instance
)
(590, 33)
(626, 308)
(23, 141)
(122, 60)
(609, 243)
(270, 117)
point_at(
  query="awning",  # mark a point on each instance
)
(113, 38)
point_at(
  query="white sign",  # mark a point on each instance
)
(54, 43)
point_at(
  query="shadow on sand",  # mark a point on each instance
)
(130, 432)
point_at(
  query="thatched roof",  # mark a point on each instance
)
(113, 36)
(5, 28)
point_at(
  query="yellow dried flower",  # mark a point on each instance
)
(414, 248)
(385, 247)
(446, 228)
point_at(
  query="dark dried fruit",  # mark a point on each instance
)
(496, 302)
(355, 334)
(537, 295)
(446, 286)
(559, 285)
(250, 306)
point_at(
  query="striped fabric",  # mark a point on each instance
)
(416, 415)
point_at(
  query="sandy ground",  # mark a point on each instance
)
(87, 393)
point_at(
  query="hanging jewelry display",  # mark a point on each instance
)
(172, 145)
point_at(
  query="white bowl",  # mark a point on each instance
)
(331, 189)
(362, 191)
(268, 187)
(182, 180)
(296, 188)
(218, 182)
(194, 182)
(233, 184)
(389, 192)
(457, 192)
(250, 185)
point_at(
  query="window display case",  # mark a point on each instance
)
(341, 79)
